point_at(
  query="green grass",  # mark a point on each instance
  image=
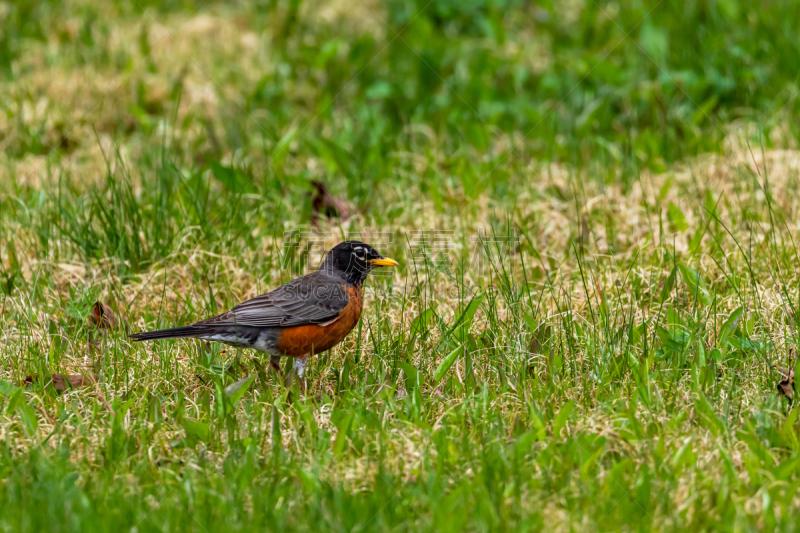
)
(591, 345)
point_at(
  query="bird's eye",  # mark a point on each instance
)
(359, 253)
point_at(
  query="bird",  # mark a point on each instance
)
(309, 315)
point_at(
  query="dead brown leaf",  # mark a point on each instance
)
(786, 385)
(324, 203)
(63, 382)
(103, 317)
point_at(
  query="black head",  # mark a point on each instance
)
(354, 260)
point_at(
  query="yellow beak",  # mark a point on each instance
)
(384, 262)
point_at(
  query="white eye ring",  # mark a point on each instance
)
(359, 252)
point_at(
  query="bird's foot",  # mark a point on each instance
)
(297, 369)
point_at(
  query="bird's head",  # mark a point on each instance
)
(355, 260)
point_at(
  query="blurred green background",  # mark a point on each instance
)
(630, 83)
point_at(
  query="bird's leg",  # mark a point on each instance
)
(274, 362)
(298, 368)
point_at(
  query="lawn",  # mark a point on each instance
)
(594, 205)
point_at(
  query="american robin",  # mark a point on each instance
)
(308, 315)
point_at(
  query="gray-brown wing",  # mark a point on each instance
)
(312, 299)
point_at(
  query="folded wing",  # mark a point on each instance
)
(312, 299)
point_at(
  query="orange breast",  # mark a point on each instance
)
(304, 340)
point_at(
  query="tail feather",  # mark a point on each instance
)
(171, 333)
